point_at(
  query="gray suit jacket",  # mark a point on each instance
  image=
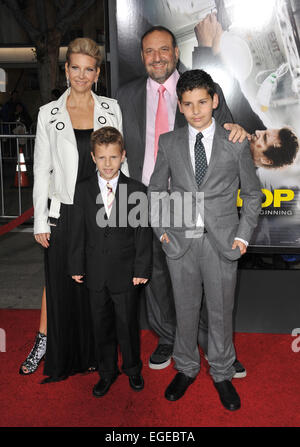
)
(230, 167)
(132, 100)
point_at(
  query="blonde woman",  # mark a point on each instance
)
(62, 158)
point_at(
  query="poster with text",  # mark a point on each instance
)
(252, 49)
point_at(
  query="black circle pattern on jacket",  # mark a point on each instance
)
(102, 120)
(60, 126)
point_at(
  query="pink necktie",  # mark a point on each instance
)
(161, 120)
(110, 198)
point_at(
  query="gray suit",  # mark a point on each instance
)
(132, 100)
(208, 259)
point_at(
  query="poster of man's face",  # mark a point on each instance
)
(252, 49)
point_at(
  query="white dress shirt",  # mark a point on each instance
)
(103, 188)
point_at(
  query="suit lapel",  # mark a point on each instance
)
(123, 180)
(94, 191)
(184, 148)
(216, 148)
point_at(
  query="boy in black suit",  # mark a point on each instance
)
(111, 244)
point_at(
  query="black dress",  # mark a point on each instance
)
(70, 342)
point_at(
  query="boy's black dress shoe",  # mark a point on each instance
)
(136, 382)
(102, 387)
(178, 386)
(228, 395)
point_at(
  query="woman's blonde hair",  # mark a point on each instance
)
(84, 45)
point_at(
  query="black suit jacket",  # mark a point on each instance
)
(109, 255)
(132, 100)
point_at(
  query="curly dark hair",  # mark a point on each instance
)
(192, 79)
(286, 152)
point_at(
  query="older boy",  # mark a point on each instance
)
(118, 256)
(199, 158)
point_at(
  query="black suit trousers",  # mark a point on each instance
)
(115, 322)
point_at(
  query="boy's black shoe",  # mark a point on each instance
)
(136, 382)
(102, 387)
(228, 395)
(178, 386)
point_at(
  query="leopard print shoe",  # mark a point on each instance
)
(35, 356)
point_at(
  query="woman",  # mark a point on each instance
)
(62, 158)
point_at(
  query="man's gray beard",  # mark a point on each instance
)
(162, 80)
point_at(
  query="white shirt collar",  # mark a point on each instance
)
(169, 84)
(207, 133)
(113, 182)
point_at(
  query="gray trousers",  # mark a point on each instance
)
(201, 267)
(159, 298)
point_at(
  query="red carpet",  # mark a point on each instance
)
(269, 394)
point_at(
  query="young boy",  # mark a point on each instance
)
(115, 254)
(198, 158)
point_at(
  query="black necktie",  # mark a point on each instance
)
(200, 159)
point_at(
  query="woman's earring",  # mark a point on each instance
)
(96, 86)
(68, 82)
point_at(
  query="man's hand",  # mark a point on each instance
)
(237, 132)
(43, 239)
(137, 281)
(164, 238)
(208, 33)
(78, 278)
(241, 246)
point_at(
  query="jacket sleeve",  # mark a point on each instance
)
(143, 243)
(158, 195)
(76, 253)
(42, 168)
(250, 193)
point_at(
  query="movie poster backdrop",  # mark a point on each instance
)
(252, 50)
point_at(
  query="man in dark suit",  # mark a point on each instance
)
(114, 250)
(144, 109)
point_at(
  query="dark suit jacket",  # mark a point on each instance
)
(132, 100)
(109, 255)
